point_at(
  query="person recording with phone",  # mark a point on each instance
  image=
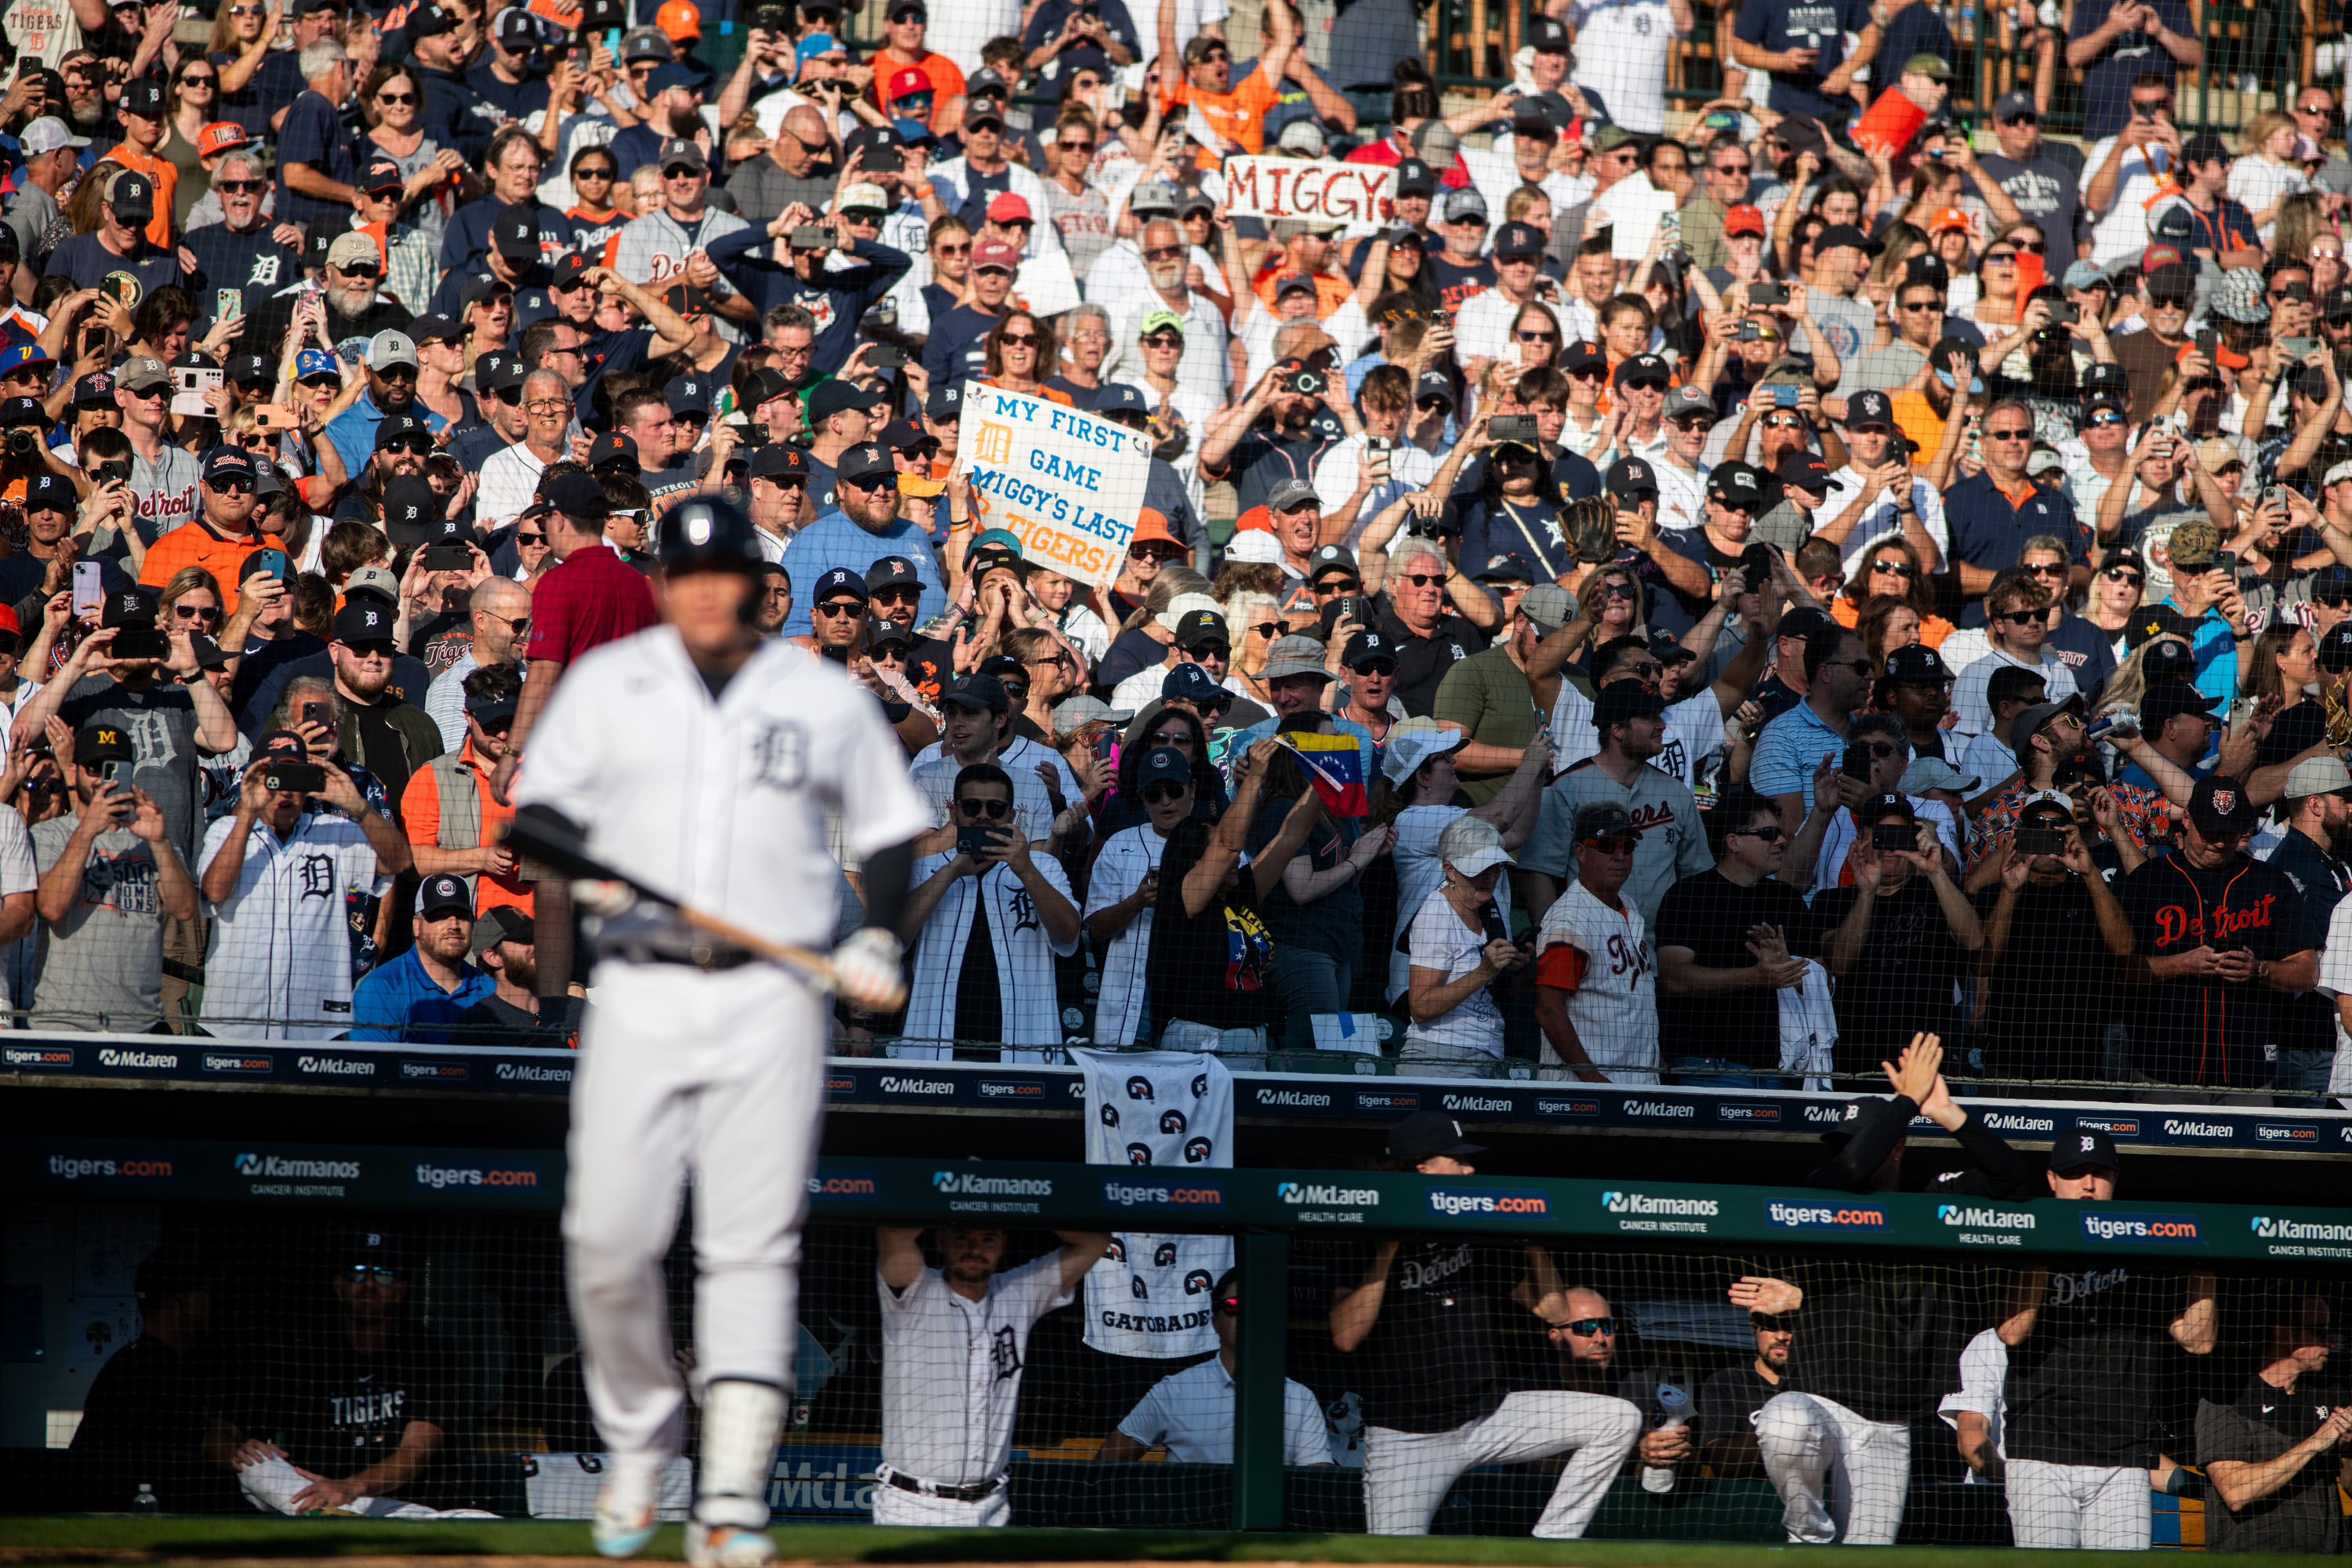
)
(147, 683)
(111, 878)
(985, 920)
(279, 965)
(1895, 938)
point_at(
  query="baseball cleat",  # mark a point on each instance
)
(624, 1518)
(728, 1546)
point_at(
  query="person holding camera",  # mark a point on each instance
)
(835, 297)
(2052, 913)
(110, 878)
(984, 920)
(1895, 938)
(2220, 936)
(275, 874)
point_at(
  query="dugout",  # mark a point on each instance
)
(487, 1269)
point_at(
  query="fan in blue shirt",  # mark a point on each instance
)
(413, 999)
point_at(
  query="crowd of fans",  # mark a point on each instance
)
(1790, 577)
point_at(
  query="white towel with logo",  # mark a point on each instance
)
(563, 1486)
(1164, 1114)
(271, 1485)
(1808, 1026)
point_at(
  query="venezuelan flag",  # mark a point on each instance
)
(1336, 766)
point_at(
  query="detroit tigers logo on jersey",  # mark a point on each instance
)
(317, 874)
(780, 756)
(1004, 1354)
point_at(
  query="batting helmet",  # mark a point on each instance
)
(708, 534)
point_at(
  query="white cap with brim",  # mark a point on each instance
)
(1934, 772)
(1183, 604)
(1408, 749)
(46, 135)
(2318, 775)
(1472, 845)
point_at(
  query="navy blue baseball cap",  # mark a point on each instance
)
(1163, 763)
(688, 394)
(840, 580)
(50, 492)
(1193, 683)
(1505, 569)
(1518, 239)
(978, 691)
(2081, 1146)
(945, 403)
(1119, 397)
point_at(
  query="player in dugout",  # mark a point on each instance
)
(1190, 1413)
(1873, 1341)
(1422, 1314)
(2088, 1352)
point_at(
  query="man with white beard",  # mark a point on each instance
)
(1166, 260)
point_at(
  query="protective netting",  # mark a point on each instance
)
(1461, 1386)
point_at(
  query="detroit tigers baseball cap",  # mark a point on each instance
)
(840, 581)
(1861, 1115)
(1632, 478)
(2219, 806)
(1425, 1134)
(356, 623)
(443, 895)
(2081, 1146)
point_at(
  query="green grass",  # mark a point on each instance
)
(53, 1540)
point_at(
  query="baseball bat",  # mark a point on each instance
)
(569, 854)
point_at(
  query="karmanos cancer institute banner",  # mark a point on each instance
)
(1067, 485)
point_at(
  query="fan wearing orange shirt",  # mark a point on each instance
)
(1236, 113)
(145, 116)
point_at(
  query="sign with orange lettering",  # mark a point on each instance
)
(1069, 486)
(1318, 188)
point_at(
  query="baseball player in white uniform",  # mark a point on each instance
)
(1192, 1412)
(954, 1342)
(1596, 976)
(702, 759)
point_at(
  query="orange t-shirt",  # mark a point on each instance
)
(166, 180)
(1238, 116)
(1330, 291)
(193, 544)
(947, 79)
(420, 818)
(1046, 394)
(1917, 418)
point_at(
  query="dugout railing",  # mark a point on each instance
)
(80, 1215)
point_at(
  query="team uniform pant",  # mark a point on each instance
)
(1806, 1441)
(719, 1075)
(2101, 1508)
(1408, 1474)
(892, 1506)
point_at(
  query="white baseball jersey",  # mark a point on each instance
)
(722, 805)
(1615, 1004)
(1694, 732)
(1126, 859)
(934, 770)
(1984, 1374)
(653, 248)
(1192, 1412)
(2335, 980)
(278, 967)
(1882, 521)
(20, 873)
(951, 1370)
(1026, 950)
(509, 478)
(1972, 711)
